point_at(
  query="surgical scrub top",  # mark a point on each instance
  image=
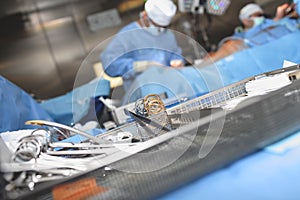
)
(133, 43)
(266, 32)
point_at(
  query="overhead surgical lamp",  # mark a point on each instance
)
(214, 7)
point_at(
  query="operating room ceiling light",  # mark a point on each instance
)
(217, 7)
(214, 7)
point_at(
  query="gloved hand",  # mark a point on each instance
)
(176, 63)
(140, 66)
(281, 11)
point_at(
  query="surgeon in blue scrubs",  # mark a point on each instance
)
(143, 43)
(257, 29)
(255, 24)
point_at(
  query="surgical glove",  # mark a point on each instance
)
(176, 63)
(140, 66)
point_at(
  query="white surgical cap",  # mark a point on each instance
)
(160, 11)
(249, 10)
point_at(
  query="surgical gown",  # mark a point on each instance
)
(266, 32)
(134, 43)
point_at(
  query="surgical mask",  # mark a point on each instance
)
(152, 29)
(258, 20)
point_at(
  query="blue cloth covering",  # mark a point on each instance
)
(260, 59)
(71, 107)
(133, 43)
(17, 107)
(264, 33)
(195, 82)
(263, 175)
